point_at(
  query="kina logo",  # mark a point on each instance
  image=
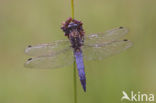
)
(137, 97)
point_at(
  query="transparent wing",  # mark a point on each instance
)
(101, 50)
(51, 62)
(47, 49)
(108, 36)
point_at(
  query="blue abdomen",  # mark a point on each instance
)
(80, 67)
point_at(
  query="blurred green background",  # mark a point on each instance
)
(24, 22)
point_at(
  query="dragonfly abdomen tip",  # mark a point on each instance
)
(83, 82)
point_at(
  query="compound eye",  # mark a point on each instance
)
(69, 26)
(72, 25)
(75, 25)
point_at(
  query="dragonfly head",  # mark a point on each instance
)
(71, 25)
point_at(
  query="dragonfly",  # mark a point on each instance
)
(77, 48)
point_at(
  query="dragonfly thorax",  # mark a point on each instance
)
(76, 40)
